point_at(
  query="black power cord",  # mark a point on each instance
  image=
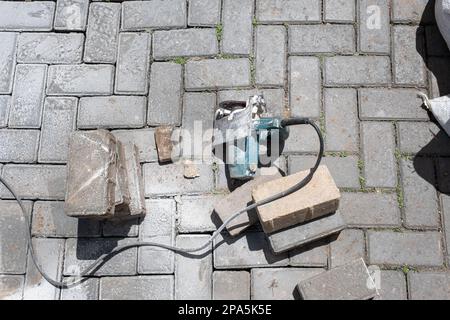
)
(101, 260)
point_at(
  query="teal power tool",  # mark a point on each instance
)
(243, 127)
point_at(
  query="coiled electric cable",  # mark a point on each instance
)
(102, 259)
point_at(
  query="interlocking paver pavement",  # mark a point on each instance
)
(353, 66)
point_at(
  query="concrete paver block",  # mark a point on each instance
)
(22, 16)
(231, 285)
(137, 288)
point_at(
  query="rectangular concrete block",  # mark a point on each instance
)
(23, 16)
(305, 81)
(429, 285)
(18, 145)
(359, 70)
(203, 13)
(79, 80)
(112, 112)
(102, 33)
(11, 287)
(36, 287)
(7, 60)
(349, 282)
(13, 230)
(379, 159)
(71, 15)
(336, 39)
(48, 181)
(318, 198)
(252, 250)
(133, 63)
(237, 200)
(314, 254)
(5, 105)
(87, 290)
(405, 248)
(196, 213)
(347, 246)
(392, 285)
(164, 99)
(237, 26)
(412, 11)
(374, 26)
(137, 288)
(279, 283)
(50, 220)
(274, 11)
(301, 139)
(184, 43)
(164, 143)
(28, 96)
(50, 48)
(339, 11)
(217, 74)
(57, 124)
(144, 140)
(193, 274)
(270, 55)
(140, 15)
(82, 252)
(302, 234)
(391, 104)
(231, 285)
(422, 137)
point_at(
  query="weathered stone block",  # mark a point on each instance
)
(18, 145)
(204, 13)
(339, 11)
(11, 287)
(164, 143)
(392, 285)
(196, 213)
(429, 285)
(310, 255)
(22, 16)
(87, 290)
(71, 14)
(237, 26)
(231, 285)
(137, 288)
(273, 11)
(7, 60)
(5, 104)
(349, 245)
(410, 11)
(143, 139)
(422, 137)
(374, 26)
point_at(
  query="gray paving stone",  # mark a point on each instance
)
(348, 282)
(305, 233)
(341, 120)
(420, 198)
(301, 139)
(57, 124)
(11, 287)
(326, 38)
(50, 254)
(203, 12)
(359, 70)
(193, 273)
(28, 96)
(165, 94)
(137, 288)
(429, 285)
(305, 86)
(275, 98)
(82, 252)
(186, 42)
(217, 74)
(157, 226)
(314, 254)
(274, 11)
(374, 26)
(422, 137)
(278, 284)
(71, 14)
(133, 63)
(168, 179)
(438, 78)
(102, 33)
(18, 146)
(5, 104)
(196, 213)
(436, 45)
(80, 80)
(13, 230)
(87, 290)
(231, 285)
(390, 104)
(443, 173)
(409, 11)
(270, 55)
(249, 251)
(144, 139)
(7, 60)
(392, 285)
(140, 15)
(50, 48)
(21, 16)
(339, 11)
(237, 26)
(405, 248)
(349, 245)
(408, 65)
(121, 228)
(35, 181)
(379, 160)
(112, 112)
(446, 222)
(375, 210)
(50, 220)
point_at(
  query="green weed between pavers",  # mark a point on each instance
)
(400, 197)
(406, 269)
(340, 154)
(219, 32)
(180, 60)
(254, 21)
